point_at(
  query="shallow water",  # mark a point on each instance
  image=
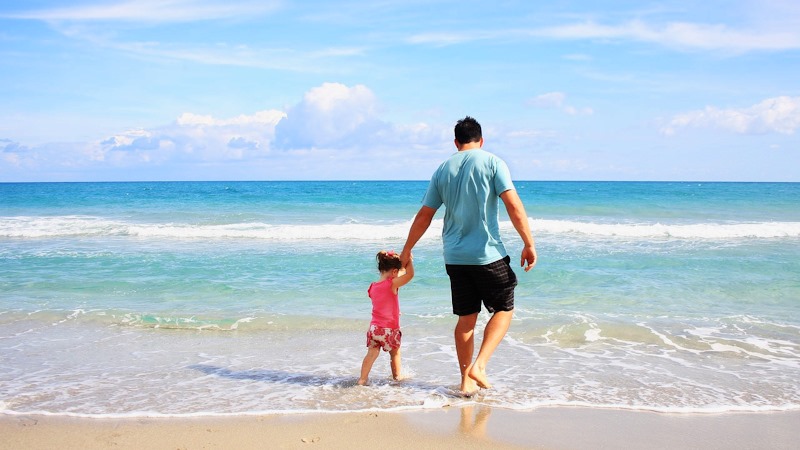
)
(120, 299)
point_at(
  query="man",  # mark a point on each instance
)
(469, 184)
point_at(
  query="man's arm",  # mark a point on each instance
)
(420, 225)
(519, 218)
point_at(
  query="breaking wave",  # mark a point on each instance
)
(89, 226)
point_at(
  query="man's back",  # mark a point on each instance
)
(469, 184)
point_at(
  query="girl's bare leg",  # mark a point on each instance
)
(366, 365)
(396, 364)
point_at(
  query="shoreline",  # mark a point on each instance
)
(470, 426)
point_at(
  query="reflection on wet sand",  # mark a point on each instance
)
(474, 420)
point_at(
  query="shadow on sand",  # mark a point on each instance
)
(310, 379)
(276, 376)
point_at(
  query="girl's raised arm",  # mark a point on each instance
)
(404, 277)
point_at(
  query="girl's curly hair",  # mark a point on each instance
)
(388, 260)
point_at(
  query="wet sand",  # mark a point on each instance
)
(471, 427)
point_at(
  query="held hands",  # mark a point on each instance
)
(405, 258)
(407, 271)
(528, 259)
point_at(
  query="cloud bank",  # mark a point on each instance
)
(773, 115)
(337, 132)
(334, 127)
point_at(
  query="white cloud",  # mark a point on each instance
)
(268, 118)
(89, 23)
(680, 35)
(332, 115)
(220, 54)
(153, 11)
(557, 100)
(127, 138)
(133, 146)
(11, 152)
(676, 35)
(195, 138)
(240, 142)
(335, 130)
(777, 114)
(9, 146)
(444, 39)
(548, 100)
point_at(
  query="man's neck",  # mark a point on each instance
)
(469, 146)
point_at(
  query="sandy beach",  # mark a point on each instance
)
(474, 427)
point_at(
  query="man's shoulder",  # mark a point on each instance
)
(491, 155)
(488, 160)
(477, 159)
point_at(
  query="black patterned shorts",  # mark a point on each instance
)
(492, 284)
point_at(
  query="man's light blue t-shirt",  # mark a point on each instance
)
(469, 184)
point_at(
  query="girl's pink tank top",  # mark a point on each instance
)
(385, 304)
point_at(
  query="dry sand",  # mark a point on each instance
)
(470, 427)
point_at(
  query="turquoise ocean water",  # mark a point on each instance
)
(214, 298)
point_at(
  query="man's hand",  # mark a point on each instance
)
(528, 259)
(405, 258)
(519, 218)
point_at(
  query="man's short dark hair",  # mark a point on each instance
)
(468, 130)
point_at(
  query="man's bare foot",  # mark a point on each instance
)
(361, 382)
(468, 387)
(479, 376)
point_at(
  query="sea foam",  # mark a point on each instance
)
(88, 226)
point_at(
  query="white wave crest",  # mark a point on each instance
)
(87, 226)
(83, 226)
(681, 231)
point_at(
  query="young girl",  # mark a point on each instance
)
(384, 329)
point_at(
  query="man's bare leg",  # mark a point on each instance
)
(495, 331)
(465, 347)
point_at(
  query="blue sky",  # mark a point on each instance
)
(270, 90)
